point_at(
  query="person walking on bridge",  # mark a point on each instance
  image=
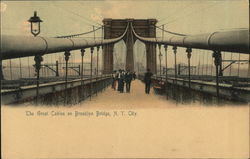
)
(147, 80)
(134, 75)
(128, 79)
(114, 79)
(121, 81)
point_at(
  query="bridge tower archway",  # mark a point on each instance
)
(114, 28)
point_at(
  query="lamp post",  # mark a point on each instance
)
(35, 24)
(35, 30)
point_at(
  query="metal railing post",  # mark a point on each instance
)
(57, 69)
(248, 74)
(91, 71)
(97, 69)
(97, 62)
(66, 54)
(82, 82)
(160, 55)
(175, 65)
(217, 62)
(189, 51)
(166, 64)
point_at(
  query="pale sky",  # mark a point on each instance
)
(69, 17)
(72, 17)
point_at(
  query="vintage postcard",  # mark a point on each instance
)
(125, 79)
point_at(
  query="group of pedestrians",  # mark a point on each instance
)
(123, 78)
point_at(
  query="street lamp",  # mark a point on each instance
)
(35, 30)
(35, 24)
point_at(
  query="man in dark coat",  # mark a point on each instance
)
(114, 79)
(128, 79)
(134, 75)
(148, 81)
(120, 81)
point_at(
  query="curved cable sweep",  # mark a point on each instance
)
(75, 35)
(24, 46)
(231, 41)
(170, 32)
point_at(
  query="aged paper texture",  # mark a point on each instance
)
(111, 124)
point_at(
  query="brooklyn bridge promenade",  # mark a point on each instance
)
(198, 63)
(137, 98)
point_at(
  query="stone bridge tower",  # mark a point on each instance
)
(114, 28)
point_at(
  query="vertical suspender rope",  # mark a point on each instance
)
(51, 59)
(20, 67)
(29, 65)
(230, 69)
(239, 66)
(248, 74)
(207, 63)
(198, 73)
(57, 62)
(10, 70)
(203, 62)
(212, 63)
(91, 69)
(97, 60)
(223, 58)
(94, 31)
(132, 37)
(73, 61)
(139, 63)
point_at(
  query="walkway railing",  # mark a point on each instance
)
(236, 41)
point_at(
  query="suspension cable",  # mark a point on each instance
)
(170, 32)
(87, 21)
(195, 11)
(75, 35)
(174, 13)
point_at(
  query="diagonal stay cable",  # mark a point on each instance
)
(174, 13)
(171, 32)
(70, 11)
(89, 19)
(74, 35)
(195, 11)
